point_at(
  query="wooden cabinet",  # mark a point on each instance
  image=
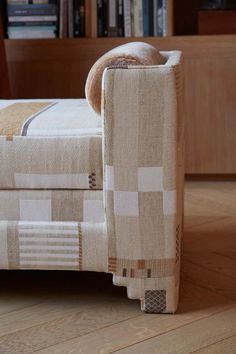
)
(58, 68)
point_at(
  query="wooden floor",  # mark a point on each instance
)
(69, 312)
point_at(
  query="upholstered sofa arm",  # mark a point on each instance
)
(143, 179)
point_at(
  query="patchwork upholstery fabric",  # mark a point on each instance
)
(53, 245)
(50, 144)
(143, 179)
(52, 205)
(77, 195)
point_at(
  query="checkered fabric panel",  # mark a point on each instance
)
(52, 205)
(143, 178)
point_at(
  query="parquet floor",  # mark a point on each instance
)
(69, 312)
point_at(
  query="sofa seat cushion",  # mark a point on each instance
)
(50, 144)
(52, 205)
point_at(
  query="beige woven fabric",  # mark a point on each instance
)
(51, 144)
(143, 179)
(52, 205)
(53, 245)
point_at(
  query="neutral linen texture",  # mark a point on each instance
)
(78, 192)
(53, 245)
(143, 179)
(52, 205)
(54, 144)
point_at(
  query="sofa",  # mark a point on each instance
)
(80, 191)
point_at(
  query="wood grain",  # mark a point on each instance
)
(191, 337)
(4, 80)
(59, 67)
(217, 22)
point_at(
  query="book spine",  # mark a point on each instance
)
(127, 18)
(146, 18)
(112, 19)
(150, 18)
(82, 18)
(28, 2)
(100, 18)
(79, 18)
(120, 18)
(138, 18)
(32, 18)
(63, 19)
(31, 32)
(33, 24)
(32, 10)
(167, 18)
(70, 19)
(160, 18)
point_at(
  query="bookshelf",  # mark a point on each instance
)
(49, 68)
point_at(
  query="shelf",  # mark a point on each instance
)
(58, 68)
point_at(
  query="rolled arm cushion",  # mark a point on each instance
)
(135, 53)
(143, 179)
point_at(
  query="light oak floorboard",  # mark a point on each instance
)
(186, 339)
(224, 346)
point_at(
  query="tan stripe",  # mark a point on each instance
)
(43, 251)
(80, 246)
(13, 245)
(13, 117)
(52, 267)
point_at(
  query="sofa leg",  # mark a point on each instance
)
(156, 295)
(154, 301)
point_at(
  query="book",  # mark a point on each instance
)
(70, 18)
(120, 18)
(32, 10)
(167, 9)
(112, 19)
(32, 19)
(26, 2)
(138, 18)
(31, 32)
(63, 19)
(147, 18)
(100, 18)
(127, 18)
(158, 18)
(79, 18)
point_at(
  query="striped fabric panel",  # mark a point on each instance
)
(53, 245)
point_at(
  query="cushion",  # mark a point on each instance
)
(47, 144)
(52, 205)
(135, 53)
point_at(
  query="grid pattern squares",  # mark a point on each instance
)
(150, 180)
(155, 301)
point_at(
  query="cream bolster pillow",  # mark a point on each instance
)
(134, 53)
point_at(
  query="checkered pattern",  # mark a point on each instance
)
(53, 211)
(155, 301)
(143, 179)
(52, 205)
